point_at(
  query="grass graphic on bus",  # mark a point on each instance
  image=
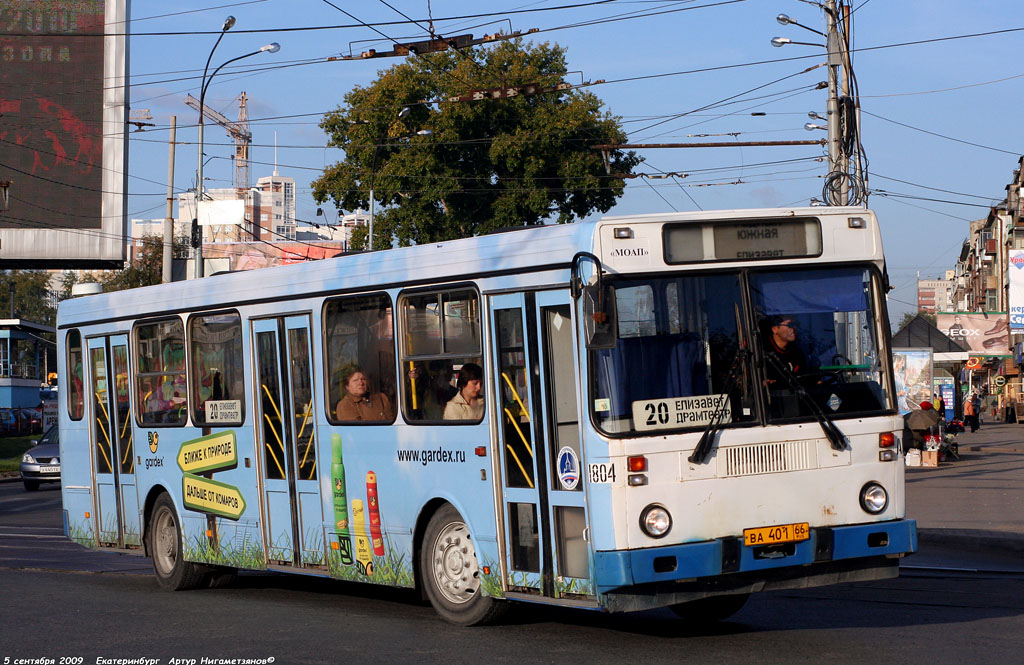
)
(391, 569)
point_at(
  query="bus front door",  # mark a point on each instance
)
(286, 437)
(113, 455)
(535, 379)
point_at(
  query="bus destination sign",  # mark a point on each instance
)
(675, 412)
(774, 239)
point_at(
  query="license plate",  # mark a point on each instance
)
(49, 469)
(770, 535)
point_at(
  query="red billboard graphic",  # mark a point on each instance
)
(983, 333)
(252, 256)
(51, 104)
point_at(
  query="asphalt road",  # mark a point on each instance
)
(62, 601)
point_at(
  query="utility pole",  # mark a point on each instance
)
(169, 220)
(836, 160)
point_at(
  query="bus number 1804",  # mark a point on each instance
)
(602, 473)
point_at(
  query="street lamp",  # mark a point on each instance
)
(373, 165)
(197, 237)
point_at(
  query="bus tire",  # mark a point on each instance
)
(711, 609)
(165, 546)
(450, 573)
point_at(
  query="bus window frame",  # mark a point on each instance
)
(880, 319)
(134, 362)
(70, 371)
(329, 409)
(757, 361)
(401, 359)
(190, 361)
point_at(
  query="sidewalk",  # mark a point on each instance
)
(978, 501)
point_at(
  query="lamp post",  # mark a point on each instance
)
(373, 171)
(838, 160)
(197, 236)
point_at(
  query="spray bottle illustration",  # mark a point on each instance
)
(364, 557)
(341, 523)
(376, 538)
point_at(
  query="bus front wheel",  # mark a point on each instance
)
(165, 546)
(450, 573)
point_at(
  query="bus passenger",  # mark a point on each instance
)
(467, 403)
(780, 341)
(359, 404)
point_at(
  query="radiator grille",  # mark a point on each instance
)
(769, 458)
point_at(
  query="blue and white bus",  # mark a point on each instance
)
(671, 410)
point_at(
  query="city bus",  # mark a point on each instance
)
(600, 415)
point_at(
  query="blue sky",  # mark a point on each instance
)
(963, 91)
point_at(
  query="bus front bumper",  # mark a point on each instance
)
(695, 570)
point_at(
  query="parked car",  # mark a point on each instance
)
(41, 463)
(10, 423)
(31, 421)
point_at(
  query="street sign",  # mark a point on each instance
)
(211, 496)
(213, 452)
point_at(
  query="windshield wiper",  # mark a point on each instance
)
(827, 425)
(707, 439)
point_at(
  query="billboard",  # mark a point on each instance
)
(912, 369)
(1016, 275)
(63, 156)
(982, 333)
(252, 256)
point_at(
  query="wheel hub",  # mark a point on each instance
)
(455, 567)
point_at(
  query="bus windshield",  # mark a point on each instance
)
(691, 348)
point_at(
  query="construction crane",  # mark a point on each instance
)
(239, 131)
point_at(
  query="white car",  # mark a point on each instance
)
(41, 463)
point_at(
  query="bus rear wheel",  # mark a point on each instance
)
(165, 546)
(450, 573)
(711, 609)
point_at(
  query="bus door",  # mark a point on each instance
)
(286, 437)
(535, 379)
(113, 455)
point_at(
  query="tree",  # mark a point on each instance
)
(487, 164)
(31, 290)
(910, 316)
(145, 269)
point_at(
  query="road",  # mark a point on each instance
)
(60, 600)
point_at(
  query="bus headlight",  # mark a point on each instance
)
(655, 521)
(873, 498)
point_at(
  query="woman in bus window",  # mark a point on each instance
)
(359, 404)
(467, 403)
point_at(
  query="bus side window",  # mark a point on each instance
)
(76, 395)
(360, 340)
(216, 357)
(161, 394)
(440, 336)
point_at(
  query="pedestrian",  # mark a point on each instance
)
(970, 417)
(976, 403)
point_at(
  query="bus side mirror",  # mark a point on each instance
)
(600, 323)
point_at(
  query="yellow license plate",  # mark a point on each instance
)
(770, 535)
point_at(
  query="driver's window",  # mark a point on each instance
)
(818, 336)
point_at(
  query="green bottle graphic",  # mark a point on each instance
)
(340, 502)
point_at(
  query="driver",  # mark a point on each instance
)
(780, 341)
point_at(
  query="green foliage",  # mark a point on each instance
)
(910, 316)
(487, 164)
(31, 291)
(145, 269)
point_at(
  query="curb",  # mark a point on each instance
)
(972, 539)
